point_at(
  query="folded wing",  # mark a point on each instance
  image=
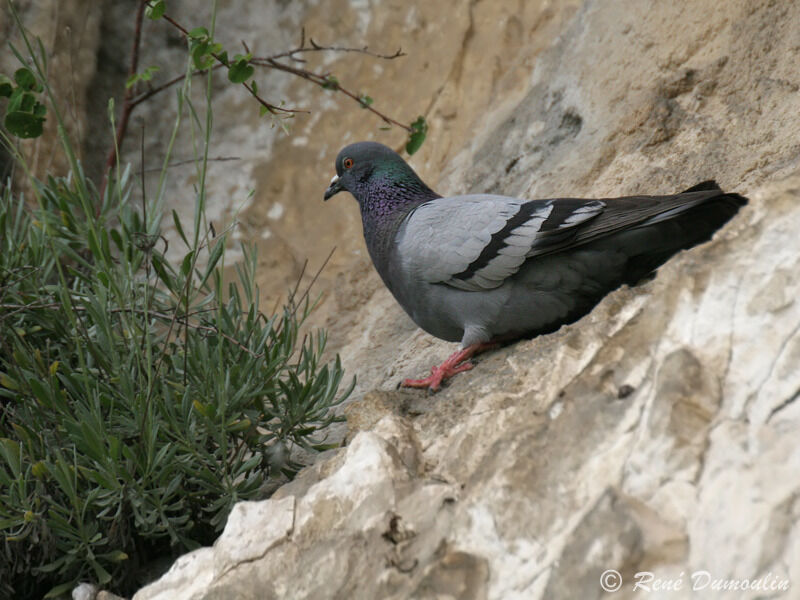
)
(476, 242)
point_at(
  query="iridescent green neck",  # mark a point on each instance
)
(385, 197)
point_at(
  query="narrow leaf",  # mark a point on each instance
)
(186, 265)
(216, 254)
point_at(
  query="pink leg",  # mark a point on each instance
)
(456, 363)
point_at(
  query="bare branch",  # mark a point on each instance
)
(324, 82)
(315, 47)
(188, 161)
(173, 318)
(153, 91)
(306, 45)
(272, 108)
(127, 107)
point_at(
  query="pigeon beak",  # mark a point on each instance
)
(334, 188)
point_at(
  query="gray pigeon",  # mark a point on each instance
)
(483, 269)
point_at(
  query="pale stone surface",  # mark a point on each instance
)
(659, 433)
(89, 591)
(84, 591)
(240, 542)
(189, 577)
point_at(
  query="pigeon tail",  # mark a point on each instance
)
(703, 186)
(685, 228)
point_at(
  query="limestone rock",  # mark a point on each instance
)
(369, 501)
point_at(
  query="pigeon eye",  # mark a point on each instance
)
(348, 162)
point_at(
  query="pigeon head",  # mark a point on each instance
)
(377, 177)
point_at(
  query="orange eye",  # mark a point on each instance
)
(347, 162)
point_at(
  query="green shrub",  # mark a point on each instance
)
(139, 400)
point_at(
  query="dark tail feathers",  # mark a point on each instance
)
(693, 226)
(711, 185)
(703, 186)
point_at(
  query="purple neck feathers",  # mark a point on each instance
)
(384, 204)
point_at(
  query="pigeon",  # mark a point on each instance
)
(485, 269)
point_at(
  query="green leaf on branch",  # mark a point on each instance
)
(145, 75)
(365, 100)
(201, 55)
(241, 70)
(330, 83)
(199, 33)
(26, 80)
(155, 10)
(419, 129)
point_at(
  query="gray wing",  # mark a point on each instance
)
(476, 242)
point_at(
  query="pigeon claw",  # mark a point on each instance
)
(438, 374)
(456, 363)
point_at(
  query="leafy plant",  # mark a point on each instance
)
(25, 115)
(139, 399)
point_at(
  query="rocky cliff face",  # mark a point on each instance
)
(658, 434)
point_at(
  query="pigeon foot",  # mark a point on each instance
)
(457, 362)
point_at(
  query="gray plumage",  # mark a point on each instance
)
(481, 267)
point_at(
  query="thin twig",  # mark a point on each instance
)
(127, 107)
(119, 309)
(271, 62)
(315, 47)
(189, 161)
(272, 108)
(318, 48)
(4, 281)
(155, 90)
(324, 82)
(148, 264)
(291, 296)
(293, 293)
(173, 318)
(314, 280)
(17, 308)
